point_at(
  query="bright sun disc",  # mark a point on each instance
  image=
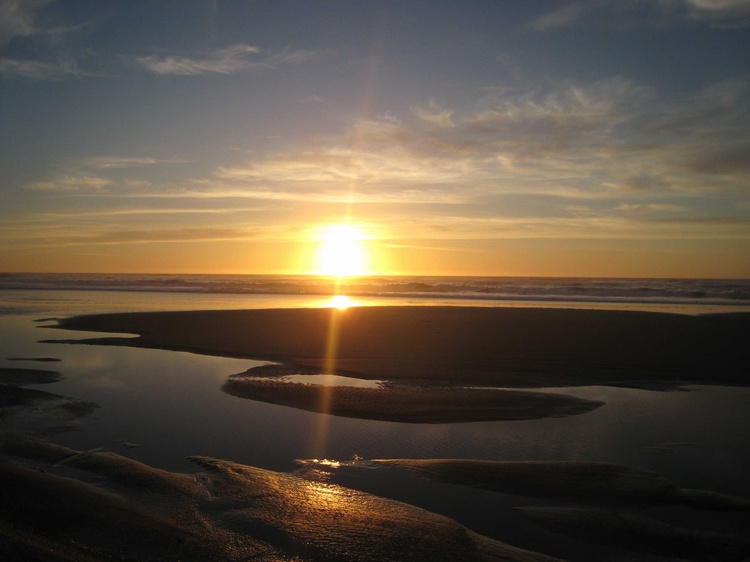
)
(342, 251)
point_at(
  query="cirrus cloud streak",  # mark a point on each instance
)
(230, 60)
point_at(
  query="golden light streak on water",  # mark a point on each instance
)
(339, 303)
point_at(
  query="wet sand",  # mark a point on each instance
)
(606, 504)
(23, 377)
(415, 404)
(509, 347)
(90, 505)
(25, 410)
(638, 533)
(582, 482)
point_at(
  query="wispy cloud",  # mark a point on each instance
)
(725, 13)
(18, 18)
(611, 136)
(109, 162)
(230, 60)
(92, 236)
(607, 225)
(629, 14)
(343, 165)
(291, 56)
(40, 70)
(152, 235)
(435, 115)
(217, 190)
(140, 211)
(88, 184)
(21, 19)
(649, 208)
(98, 174)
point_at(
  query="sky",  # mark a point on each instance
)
(604, 138)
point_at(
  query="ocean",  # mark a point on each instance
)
(675, 295)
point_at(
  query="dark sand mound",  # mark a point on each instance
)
(616, 505)
(504, 346)
(579, 482)
(635, 532)
(410, 404)
(22, 377)
(27, 410)
(38, 359)
(227, 512)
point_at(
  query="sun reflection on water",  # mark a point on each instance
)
(320, 440)
(327, 462)
(342, 302)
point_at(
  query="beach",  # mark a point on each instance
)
(375, 281)
(441, 365)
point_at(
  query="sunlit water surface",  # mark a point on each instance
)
(171, 405)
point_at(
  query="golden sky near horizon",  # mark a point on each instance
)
(476, 138)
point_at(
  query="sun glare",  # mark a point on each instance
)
(342, 251)
(342, 302)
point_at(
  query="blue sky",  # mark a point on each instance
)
(597, 138)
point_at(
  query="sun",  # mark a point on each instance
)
(342, 251)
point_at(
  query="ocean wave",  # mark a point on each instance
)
(694, 291)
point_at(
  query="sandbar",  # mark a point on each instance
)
(574, 481)
(40, 359)
(410, 404)
(601, 503)
(510, 347)
(639, 533)
(26, 410)
(23, 377)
